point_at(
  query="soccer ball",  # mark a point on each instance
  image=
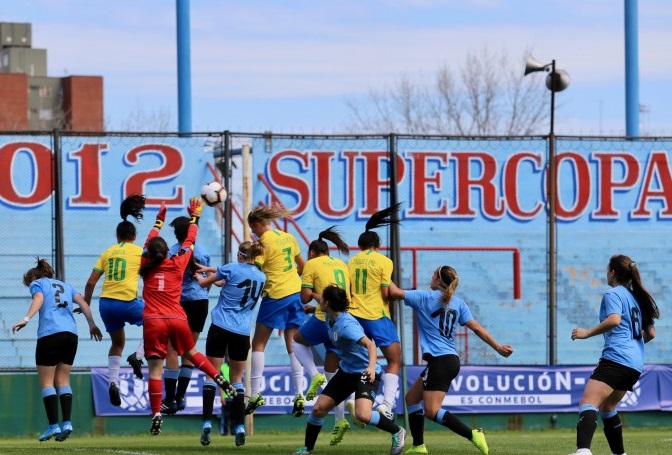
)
(213, 193)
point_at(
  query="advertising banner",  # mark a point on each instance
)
(477, 389)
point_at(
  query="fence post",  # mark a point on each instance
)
(56, 173)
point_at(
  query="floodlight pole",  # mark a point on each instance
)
(551, 191)
(556, 81)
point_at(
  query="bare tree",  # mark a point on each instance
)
(139, 119)
(488, 96)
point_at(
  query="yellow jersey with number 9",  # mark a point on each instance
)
(120, 264)
(369, 271)
(278, 264)
(322, 271)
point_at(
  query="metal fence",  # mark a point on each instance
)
(475, 203)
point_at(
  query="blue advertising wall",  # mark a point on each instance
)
(465, 202)
(614, 197)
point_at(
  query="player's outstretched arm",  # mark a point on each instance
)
(504, 350)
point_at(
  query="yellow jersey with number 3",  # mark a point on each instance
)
(120, 264)
(369, 272)
(322, 271)
(279, 264)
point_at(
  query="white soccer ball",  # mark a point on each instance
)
(213, 193)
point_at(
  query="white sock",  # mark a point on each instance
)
(256, 373)
(140, 350)
(297, 373)
(390, 389)
(113, 363)
(305, 357)
(339, 409)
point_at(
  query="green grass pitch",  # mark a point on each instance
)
(356, 441)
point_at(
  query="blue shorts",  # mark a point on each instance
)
(315, 332)
(284, 313)
(116, 313)
(382, 331)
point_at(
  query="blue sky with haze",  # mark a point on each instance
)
(288, 66)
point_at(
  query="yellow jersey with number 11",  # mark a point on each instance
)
(369, 272)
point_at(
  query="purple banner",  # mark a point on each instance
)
(475, 390)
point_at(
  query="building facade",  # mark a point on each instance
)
(32, 101)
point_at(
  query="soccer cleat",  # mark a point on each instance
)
(136, 364)
(205, 433)
(253, 403)
(52, 430)
(341, 427)
(302, 451)
(240, 435)
(299, 405)
(115, 397)
(350, 404)
(417, 449)
(181, 403)
(168, 407)
(315, 384)
(157, 421)
(478, 439)
(583, 452)
(385, 410)
(225, 386)
(66, 431)
(398, 442)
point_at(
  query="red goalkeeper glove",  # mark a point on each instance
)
(161, 216)
(195, 209)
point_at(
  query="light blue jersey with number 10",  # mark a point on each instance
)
(437, 322)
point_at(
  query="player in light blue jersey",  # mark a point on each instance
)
(438, 312)
(242, 284)
(56, 342)
(358, 372)
(627, 315)
(194, 301)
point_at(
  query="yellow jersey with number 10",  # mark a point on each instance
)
(322, 271)
(278, 264)
(369, 272)
(120, 264)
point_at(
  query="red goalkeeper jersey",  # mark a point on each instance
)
(162, 286)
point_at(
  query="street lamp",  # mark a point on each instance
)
(556, 81)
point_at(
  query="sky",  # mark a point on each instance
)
(290, 66)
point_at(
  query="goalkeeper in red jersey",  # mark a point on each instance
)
(164, 318)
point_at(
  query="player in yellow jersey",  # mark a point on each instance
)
(119, 302)
(370, 276)
(280, 306)
(320, 271)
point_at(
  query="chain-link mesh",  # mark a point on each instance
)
(473, 203)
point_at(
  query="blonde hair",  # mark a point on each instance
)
(265, 213)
